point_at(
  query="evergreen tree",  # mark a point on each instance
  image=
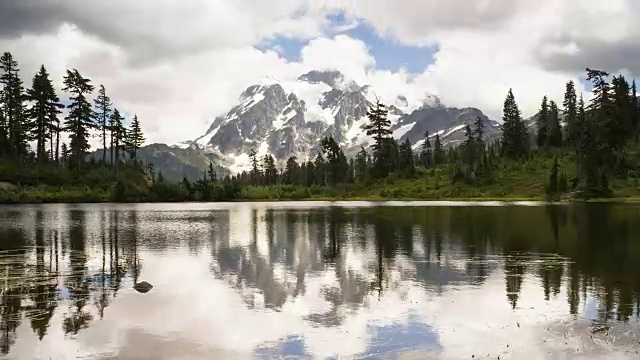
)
(406, 163)
(255, 170)
(478, 131)
(270, 171)
(361, 167)
(468, 148)
(213, 177)
(427, 152)
(135, 138)
(570, 111)
(65, 154)
(336, 162)
(554, 130)
(439, 156)
(320, 172)
(79, 121)
(515, 139)
(43, 112)
(542, 124)
(118, 135)
(635, 110)
(620, 121)
(102, 114)
(292, 171)
(379, 127)
(15, 127)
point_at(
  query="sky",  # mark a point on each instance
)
(179, 63)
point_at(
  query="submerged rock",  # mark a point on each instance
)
(143, 287)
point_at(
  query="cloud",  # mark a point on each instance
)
(177, 64)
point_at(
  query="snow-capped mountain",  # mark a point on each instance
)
(289, 118)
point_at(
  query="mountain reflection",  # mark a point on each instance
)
(64, 266)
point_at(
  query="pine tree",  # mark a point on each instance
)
(554, 130)
(320, 171)
(468, 148)
(292, 170)
(361, 167)
(379, 127)
(255, 170)
(43, 112)
(542, 124)
(79, 121)
(478, 131)
(270, 171)
(102, 113)
(406, 164)
(427, 152)
(213, 177)
(515, 138)
(118, 135)
(439, 156)
(570, 111)
(135, 138)
(336, 165)
(15, 126)
(635, 110)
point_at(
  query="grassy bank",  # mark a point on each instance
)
(509, 181)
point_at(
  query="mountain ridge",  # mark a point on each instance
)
(286, 119)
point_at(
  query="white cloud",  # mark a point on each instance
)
(179, 64)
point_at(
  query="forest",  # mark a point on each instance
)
(568, 150)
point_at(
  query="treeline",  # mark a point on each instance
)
(34, 115)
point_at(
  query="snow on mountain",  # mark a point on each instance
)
(288, 118)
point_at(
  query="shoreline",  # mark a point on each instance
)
(505, 200)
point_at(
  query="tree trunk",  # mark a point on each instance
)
(104, 141)
(58, 146)
(111, 149)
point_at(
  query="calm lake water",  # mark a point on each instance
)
(320, 280)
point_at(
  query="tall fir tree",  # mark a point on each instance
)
(103, 106)
(292, 171)
(555, 129)
(406, 165)
(635, 110)
(135, 138)
(515, 138)
(439, 155)
(542, 124)
(379, 127)
(336, 161)
(79, 121)
(270, 170)
(118, 134)
(15, 127)
(255, 170)
(43, 113)
(570, 112)
(361, 166)
(427, 152)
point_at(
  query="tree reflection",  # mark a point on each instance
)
(77, 282)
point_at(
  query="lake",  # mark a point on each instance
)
(320, 280)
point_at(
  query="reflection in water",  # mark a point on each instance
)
(407, 274)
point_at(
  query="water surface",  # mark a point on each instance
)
(317, 280)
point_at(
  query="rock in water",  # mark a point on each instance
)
(143, 287)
